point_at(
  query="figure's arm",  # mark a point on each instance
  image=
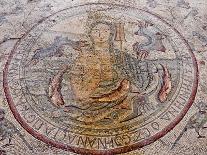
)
(78, 45)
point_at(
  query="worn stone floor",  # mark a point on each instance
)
(39, 40)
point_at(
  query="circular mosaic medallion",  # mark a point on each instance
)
(100, 79)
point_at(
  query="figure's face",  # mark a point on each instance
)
(100, 33)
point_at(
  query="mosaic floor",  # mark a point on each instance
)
(103, 77)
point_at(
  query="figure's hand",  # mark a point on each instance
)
(79, 44)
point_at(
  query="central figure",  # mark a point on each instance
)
(102, 78)
(95, 76)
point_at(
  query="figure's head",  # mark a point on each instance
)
(2, 114)
(101, 32)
